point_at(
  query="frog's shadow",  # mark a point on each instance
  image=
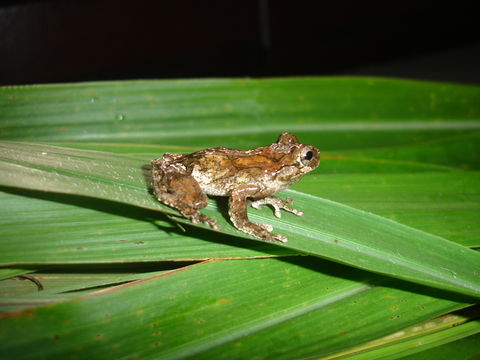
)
(220, 201)
(147, 177)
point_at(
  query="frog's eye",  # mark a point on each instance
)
(306, 156)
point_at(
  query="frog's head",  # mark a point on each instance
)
(305, 157)
(294, 158)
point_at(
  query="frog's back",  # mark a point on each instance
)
(219, 173)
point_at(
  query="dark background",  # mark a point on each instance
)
(60, 41)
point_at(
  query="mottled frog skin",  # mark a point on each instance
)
(183, 181)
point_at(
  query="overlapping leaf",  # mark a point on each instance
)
(329, 229)
(425, 133)
(293, 302)
(332, 113)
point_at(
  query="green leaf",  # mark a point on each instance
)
(449, 153)
(444, 204)
(67, 282)
(96, 231)
(333, 113)
(463, 349)
(418, 338)
(328, 229)
(425, 135)
(294, 300)
(11, 272)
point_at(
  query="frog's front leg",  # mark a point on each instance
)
(174, 187)
(238, 215)
(277, 204)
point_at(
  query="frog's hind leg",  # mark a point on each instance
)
(174, 187)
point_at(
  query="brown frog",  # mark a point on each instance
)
(183, 181)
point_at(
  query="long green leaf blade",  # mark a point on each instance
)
(336, 113)
(90, 230)
(329, 229)
(464, 349)
(410, 341)
(102, 231)
(445, 204)
(426, 134)
(294, 299)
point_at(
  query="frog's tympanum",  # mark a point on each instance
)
(183, 181)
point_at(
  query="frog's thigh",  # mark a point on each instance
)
(183, 192)
(175, 188)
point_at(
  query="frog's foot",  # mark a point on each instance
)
(277, 204)
(272, 237)
(196, 217)
(264, 232)
(261, 231)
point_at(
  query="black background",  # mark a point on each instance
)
(60, 41)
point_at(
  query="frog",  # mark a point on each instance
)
(246, 177)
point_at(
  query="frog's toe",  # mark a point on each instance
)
(256, 205)
(269, 236)
(213, 224)
(209, 221)
(277, 204)
(296, 212)
(266, 227)
(280, 238)
(275, 237)
(216, 227)
(194, 218)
